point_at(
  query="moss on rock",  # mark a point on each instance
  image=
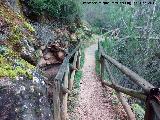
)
(16, 29)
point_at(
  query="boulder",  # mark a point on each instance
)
(24, 99)
(42, 62)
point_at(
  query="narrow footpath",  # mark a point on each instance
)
(94, 104)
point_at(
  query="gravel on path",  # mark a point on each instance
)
(93, 104)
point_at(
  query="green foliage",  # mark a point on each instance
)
(78, 77)
(65, 9)
(97, 63)
(28, 27)
(115, 100)
(16, 34)
(139, 111)
(82, 57)
(79, 73)
(138, 51)
(135, 54)
(38, 6)
(12, 66)
(96, 30)
(108, 43)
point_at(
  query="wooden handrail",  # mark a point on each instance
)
(61, 85)
(63, 67)
(127, 108)
(73, 72)
(117, 87)
(132, 75)
(127, 91)
(145, 85)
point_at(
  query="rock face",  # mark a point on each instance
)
(28, 52)
(24, 99)
(53, 44)
(23, 91)
(13, 4)
(51, 54)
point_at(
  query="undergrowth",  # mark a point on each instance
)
(97, 63)
(139, 111)
(79, 73)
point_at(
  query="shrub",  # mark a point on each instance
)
(139, 111)
(64, 9)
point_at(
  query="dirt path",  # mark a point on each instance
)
(93, 104)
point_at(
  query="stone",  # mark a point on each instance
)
(43, 47)
(48, 55)
(73, 37)
(42, 62)
(40, 53)
(60, 55)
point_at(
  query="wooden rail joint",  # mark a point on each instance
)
(101, 58)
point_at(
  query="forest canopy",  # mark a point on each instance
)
(61, 9)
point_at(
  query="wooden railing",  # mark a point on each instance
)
(63, 83)
(150, 94)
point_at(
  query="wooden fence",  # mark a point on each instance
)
(150, 94)
(63, 83)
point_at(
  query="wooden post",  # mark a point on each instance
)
(71, 67)
(56, 99)
(127, 108)
(100, 60)
(58, 89)
(64, 114)
(102, 68)
(79, 59)
(156, 109)
(73, 72)
(99, 50)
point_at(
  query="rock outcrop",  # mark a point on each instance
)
(24, 99)
(23, 88)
